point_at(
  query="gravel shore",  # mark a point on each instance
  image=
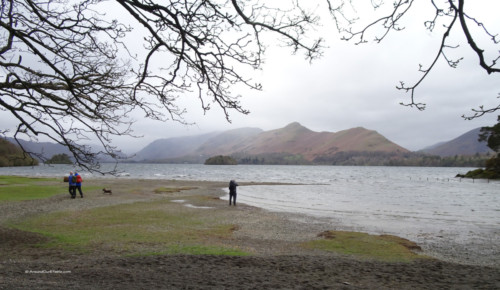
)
(276, 261)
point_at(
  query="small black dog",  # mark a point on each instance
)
(104, 190)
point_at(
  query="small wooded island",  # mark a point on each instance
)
(59, 159)
(221, 160)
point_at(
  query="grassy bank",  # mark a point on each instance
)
(160, 224)
(160, 227)
(16, 188)
(379, 247)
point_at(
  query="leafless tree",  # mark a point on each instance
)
(67, 72)
(450, 14)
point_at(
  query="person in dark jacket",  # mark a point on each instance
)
(78, 184)
(232, 191)
(72, 185)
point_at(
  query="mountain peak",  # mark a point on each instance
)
(295, 127)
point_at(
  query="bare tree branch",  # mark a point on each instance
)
(64, 78)
(411, 89)
(69, 74)
(390, 22)
(480, 53)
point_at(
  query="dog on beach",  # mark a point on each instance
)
(104, 190)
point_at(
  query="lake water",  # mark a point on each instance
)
(451, 218)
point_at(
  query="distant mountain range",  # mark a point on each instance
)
(466, 144)
(293, 144)
(45, 149)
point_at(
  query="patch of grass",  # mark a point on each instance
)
(384, 247)
(8, 180)
(172, 189)
(142, 227)
(17, 188)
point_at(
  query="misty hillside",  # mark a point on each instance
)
(172, 147)
(294, 140)
(292, 144)
(466, 144)
(227, 141)
(45, 149)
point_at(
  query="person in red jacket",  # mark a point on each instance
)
(79, 184)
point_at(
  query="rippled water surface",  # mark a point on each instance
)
(427, 205)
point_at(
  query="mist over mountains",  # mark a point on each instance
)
(296, 144)
(294, 140)
(292, 144)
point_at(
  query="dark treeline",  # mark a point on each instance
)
(401, 159)
(221, 160)
(272, 159)
(356, 158)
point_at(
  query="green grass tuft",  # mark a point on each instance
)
(383, 248)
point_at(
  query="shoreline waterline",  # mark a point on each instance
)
(451, 219)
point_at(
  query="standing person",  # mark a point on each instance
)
(232, 191)
(72, 185)
(78, 184)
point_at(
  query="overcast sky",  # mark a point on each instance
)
(353, 86)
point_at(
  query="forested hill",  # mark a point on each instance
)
(12, 155)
